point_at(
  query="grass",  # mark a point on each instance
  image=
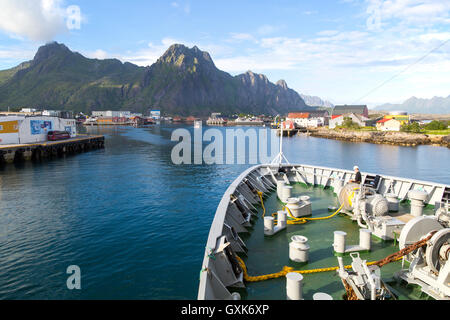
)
(438, 132)
(357, 128)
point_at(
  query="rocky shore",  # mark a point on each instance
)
(380, 137)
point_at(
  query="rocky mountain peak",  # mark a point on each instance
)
(181, 56)
(253, 79)
(49, 50)
(282, 84)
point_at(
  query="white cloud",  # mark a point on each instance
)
(39, 20)
(98, 54)
(267, 29)
(327, 33)
(240, 37)
(425, 12)
(186, 7)
(16, 54)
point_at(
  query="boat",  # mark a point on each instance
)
(247, 122)
(216, 121)
(90, 121)
(296, 231)
(197, 124)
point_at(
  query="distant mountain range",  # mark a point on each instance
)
(183, 81)
(437, 105)
(314, 101)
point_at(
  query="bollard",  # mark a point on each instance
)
(294, 286)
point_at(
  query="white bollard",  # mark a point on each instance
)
(305, 198)
(280, 186)
(299, 249)
(294, 286)
(339, 241)
(365, 239)
(416, 207)
(281, 223)
(293, 204)
(235, 296)
(322, 296)
(286, 193)
(268, 225)
(417, 197)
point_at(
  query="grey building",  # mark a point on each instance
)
(347, 109)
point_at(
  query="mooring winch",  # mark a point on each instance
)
(429, 265)
(371, 209)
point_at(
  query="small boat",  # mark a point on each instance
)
(197, 124)
(90, 121)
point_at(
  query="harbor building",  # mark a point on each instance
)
(388, 125)
(112, 114)
(32, 129)
(155, 114)
(309, 119)
(110, 117)
(393, 121)
(338, 120)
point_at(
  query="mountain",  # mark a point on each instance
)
(314, 101)
(183, 81)
(437, 105)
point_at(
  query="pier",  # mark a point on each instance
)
(17, 153)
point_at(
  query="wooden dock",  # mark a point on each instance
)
(16, 153)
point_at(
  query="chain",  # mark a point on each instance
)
(351, 295)
(399, 254)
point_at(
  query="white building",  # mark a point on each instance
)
(112, 114)
(28, 110)
(308, 119)
(155, 114)
(21, 130)
(389, 125)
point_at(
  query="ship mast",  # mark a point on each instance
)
(279, 158)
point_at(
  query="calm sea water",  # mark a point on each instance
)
(135, 223)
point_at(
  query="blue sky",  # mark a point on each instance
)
(339, 50)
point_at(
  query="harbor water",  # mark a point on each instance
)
(135, 223)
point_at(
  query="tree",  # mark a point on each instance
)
(436, 125)
(413, 127)
(348, 123)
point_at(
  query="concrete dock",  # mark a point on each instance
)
(48, 149)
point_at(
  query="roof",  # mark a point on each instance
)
(383, 120)
(298, 115)
(357, 109)
(361, 117)
(398, 117)
(308, 114)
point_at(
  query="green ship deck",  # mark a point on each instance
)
(270, 254)
(238, 231)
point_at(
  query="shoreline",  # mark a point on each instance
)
(382, 137)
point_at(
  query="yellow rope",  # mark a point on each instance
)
(287, 270)
(260, 194)
(305, 220)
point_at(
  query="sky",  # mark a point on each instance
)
(345, 51)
